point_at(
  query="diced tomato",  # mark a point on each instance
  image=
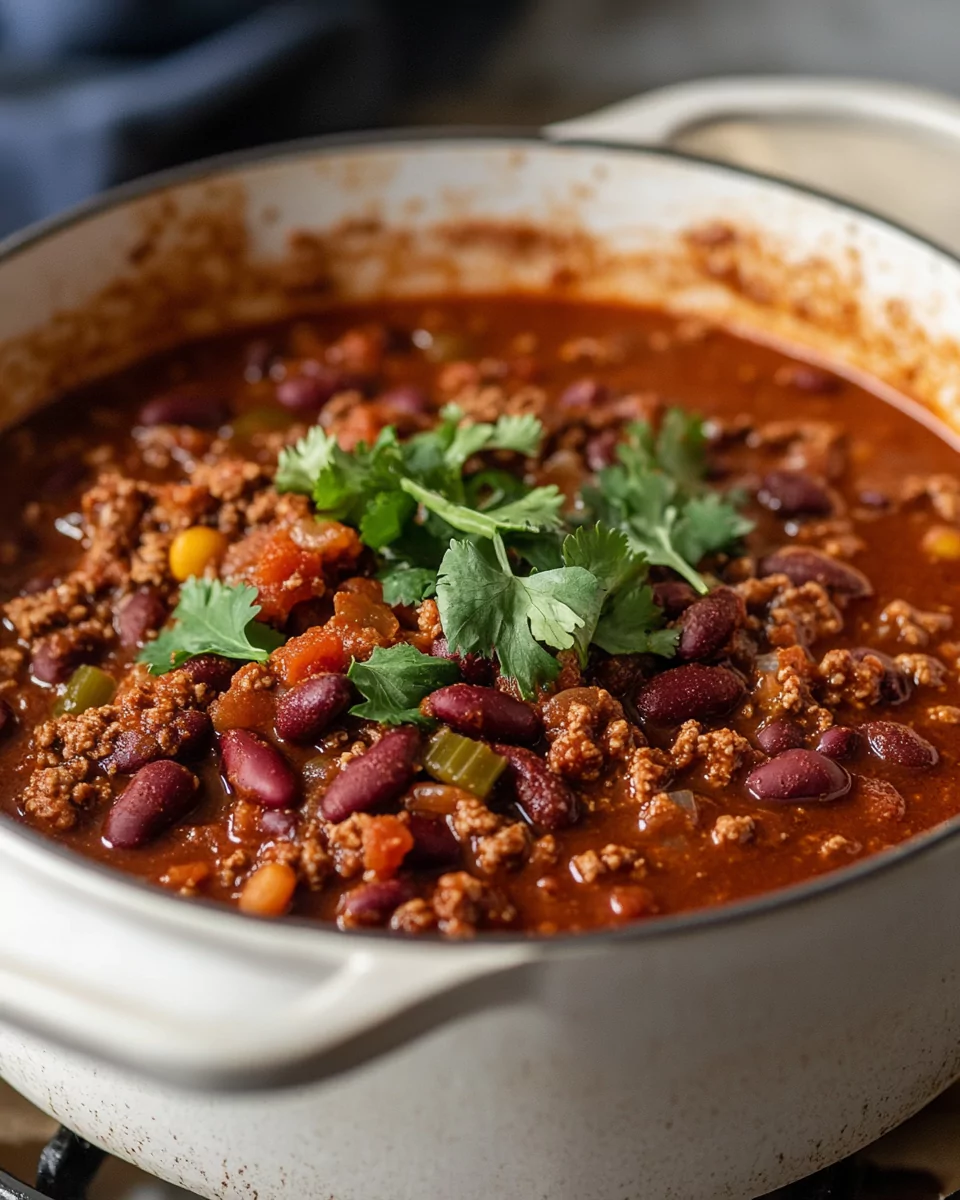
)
(364, 586)
(386, 842)
(243, 707)
(287, 564)
(319, 651)
(363, 611)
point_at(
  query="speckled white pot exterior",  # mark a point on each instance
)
(693, 1058)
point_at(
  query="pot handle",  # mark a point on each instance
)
(657, 117)
(205, 998)
(370, 1002)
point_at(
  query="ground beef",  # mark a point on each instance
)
(54, 796)
(923, 669)
(790, 615)
(587, 732)
(508, 847)
(463, 903)
(589, 866)
(416, 916)
(846, 680)
(905, 623)
(738, 830)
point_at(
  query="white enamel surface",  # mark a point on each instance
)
(713, 1062)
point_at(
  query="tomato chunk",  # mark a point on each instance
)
(386, 842)
(319, 651)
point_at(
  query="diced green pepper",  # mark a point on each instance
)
(87, 687)
(461, 761)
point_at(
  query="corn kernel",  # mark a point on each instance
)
(192, 551)
(269, 890)
(942, 542)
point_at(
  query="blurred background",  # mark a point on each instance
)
(93, 92)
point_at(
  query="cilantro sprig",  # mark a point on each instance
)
(211, 618)
(656, 495)
(393, 682)
(510, 577)
(485, 609)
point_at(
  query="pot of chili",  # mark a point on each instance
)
(570, 660)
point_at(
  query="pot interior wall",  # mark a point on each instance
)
(318, 226)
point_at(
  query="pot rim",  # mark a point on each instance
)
(198, 914)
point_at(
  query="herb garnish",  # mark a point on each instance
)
(657, 496)
(212, 618)
(395, 680)
(511, 577)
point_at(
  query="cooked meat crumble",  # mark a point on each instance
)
(235, 645)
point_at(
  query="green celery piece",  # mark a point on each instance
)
(87, 687)
(462, 762)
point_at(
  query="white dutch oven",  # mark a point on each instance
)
(718, 1054)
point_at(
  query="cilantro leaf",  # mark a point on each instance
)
(395, 680)
(681, 448)
(211, 618)
(408, 585)
(385, 517)
(626, 618)
(522, 434)
(709, 523)
(299, 465)
(485, 609)
(655, 495)
(629, 623)
(538, 509)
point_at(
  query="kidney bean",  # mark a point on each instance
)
(473, 667)
(794, 494)
(308, 393)
(601, 450)
(545, 799)
(839, 742)
(484, 712)
(707, 624)
(689, 693)
(407, 399)
(54, 659)
(159, 795)
(583, 393)
(373, 903)
(434, 843)
(376, 777)
(777, 736)
(899, 744)
(673, 596)
(185, 408)
(7, 719)
(306, 710)
(139, 615)
(802, 565)
(895, 686)
(799, 775)
(193, 731)
(279, 823)
(256, 770)
(134, 748)
(211, 669)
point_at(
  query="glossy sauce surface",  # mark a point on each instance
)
(873, 463)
